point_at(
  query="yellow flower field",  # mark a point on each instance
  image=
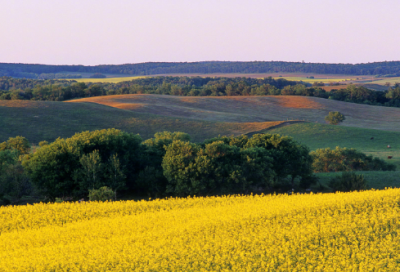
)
(323, 232)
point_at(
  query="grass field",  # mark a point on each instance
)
(326, 78)
(206, 117)
(321, 136)
(107, 79)
(317, 232)
(38, 121)
(391, 80)
(255, 109)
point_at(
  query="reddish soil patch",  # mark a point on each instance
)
(112, 101)
(298, 102)
(189, 99)
(330, 88)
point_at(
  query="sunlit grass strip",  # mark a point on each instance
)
(330, 232)
(107, 79)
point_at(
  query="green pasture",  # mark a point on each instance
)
(321, 136)
(318, 78)
(391, 80)
(45, 120)
(107, 79)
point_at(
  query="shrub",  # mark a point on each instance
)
(21, 144)
(334, 117)
(346, 159)
(102, 194)
(347, 182)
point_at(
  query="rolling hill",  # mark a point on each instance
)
(362, 121)
(206, 117)
(43, 120)
(254, 109)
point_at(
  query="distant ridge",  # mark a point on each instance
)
(205, 67)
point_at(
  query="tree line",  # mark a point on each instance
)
(61, 90)
(168, 164)
(28, 89)
(206, 67)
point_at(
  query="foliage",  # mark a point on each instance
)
(14, 183)
(347, 182)
(334, 117)
(85, 161)
(217, 168)
(289, 157)
(230, 233)
(102, 194)
(22, 89)
(20, 144)
(236, 164)
(346, 159)
(152, 179)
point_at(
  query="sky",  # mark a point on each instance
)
(92, 32)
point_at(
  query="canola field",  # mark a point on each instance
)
(322, 232)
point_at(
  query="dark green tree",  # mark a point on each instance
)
(289, 157)
(216, 168)
(151, 179)
(57, 168)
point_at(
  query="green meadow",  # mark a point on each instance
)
(391, 80)
(107, 79)
(321, 136)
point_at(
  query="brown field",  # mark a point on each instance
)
(330, 88)
(255, 109)
(298, 102)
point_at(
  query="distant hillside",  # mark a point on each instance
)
(201, 117)
(207, 67)
(254, 109)
(44, 120)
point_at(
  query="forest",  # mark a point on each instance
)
(207, 67)
(61, 90)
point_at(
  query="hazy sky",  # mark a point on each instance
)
(130, 31)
